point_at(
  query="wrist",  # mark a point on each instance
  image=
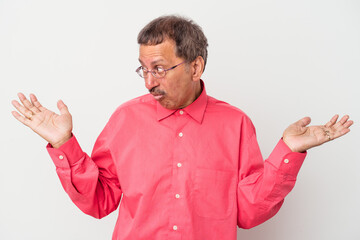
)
(62, 141)
(292, 147)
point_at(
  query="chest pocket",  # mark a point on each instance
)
(214, 193)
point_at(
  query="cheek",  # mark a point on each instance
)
(170, 88)
(176, 92)
(178, 88)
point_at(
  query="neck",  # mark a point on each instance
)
(197, 92)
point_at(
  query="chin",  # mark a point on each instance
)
(168, 105)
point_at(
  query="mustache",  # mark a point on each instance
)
(156, 91)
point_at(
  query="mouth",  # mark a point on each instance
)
(157, 93)
(157, 96)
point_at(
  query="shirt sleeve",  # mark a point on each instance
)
(91, 182)
(263, 185)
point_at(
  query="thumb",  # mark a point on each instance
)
(62, 107)
(303, 122)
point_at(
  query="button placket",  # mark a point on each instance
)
(178, 182)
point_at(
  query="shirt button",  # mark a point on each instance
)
(177, 195)
(179, 164)
(175, 227)
(61, 157)
(286, 160)
(181, 112)
(181, 134)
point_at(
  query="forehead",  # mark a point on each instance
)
(163, 52)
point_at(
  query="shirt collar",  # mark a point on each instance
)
(196, 109)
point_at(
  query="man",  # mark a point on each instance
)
(185, 165)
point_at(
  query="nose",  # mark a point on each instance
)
(150, 81)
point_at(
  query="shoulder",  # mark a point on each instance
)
(218, 106)
(229, 115)
(139, 102)
(137, 105)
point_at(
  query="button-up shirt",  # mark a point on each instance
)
(194, 173)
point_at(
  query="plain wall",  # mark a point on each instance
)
(277, 60)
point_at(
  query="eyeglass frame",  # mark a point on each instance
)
(153, 71)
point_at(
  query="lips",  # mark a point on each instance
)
(157, 93)
(157, 96)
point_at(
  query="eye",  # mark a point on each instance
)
(159, 69)
(144, 69)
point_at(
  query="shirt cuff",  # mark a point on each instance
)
(285, 160)
(67, 154)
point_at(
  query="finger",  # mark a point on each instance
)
(303, 122)
(62, 107)
(342, 129)
(332, 121)
(342, 121)
(348, 124)
(24, 111)
(340, 133)
(27, 103)
(21, 119)
(36, 102)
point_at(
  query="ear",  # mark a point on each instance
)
(197, 67)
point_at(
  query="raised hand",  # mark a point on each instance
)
(300, 137)
(54, 128)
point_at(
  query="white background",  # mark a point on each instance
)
(276, 60)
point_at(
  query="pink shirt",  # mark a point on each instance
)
(193, 173)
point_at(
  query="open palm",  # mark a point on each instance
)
(54, 128)
(300, 137)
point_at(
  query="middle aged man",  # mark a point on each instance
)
(187, 166)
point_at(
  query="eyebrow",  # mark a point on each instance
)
(154, 62)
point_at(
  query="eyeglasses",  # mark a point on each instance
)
(158, 72)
